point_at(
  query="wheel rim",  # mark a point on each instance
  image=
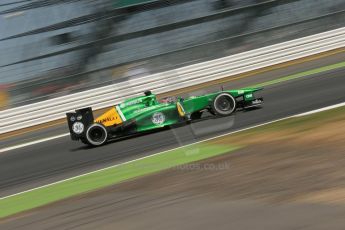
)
(97, 134)
(224, 103)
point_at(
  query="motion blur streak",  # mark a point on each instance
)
(32, 143)
(70, 46)
(61, 158)
(289, 175)
(204, 140)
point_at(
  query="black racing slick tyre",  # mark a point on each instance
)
(96, 134)
(223, 104)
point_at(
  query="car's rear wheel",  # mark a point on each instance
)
(96, 134)
(223, 104)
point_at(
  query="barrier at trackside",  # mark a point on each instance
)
(54, 109)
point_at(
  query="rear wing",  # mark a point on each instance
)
(85, 116)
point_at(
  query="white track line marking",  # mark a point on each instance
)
(321, 110)
(208, 139)
(32, 142)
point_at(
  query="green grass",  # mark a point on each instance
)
(109, 176)
(299, 75)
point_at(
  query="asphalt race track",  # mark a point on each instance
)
(58, 159)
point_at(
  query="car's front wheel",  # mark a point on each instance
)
(223, 104)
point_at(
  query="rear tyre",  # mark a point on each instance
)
(223, 104)
(96, 134)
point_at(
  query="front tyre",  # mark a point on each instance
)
(223, 104)
(96, 134)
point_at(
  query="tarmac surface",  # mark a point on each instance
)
(58, 159)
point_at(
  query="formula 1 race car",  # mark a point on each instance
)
(146, 113)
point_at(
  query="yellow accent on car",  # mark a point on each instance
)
(109, 118)
(180, 109)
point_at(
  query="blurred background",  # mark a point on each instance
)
(50, 48)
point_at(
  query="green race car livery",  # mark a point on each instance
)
(146, 113)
